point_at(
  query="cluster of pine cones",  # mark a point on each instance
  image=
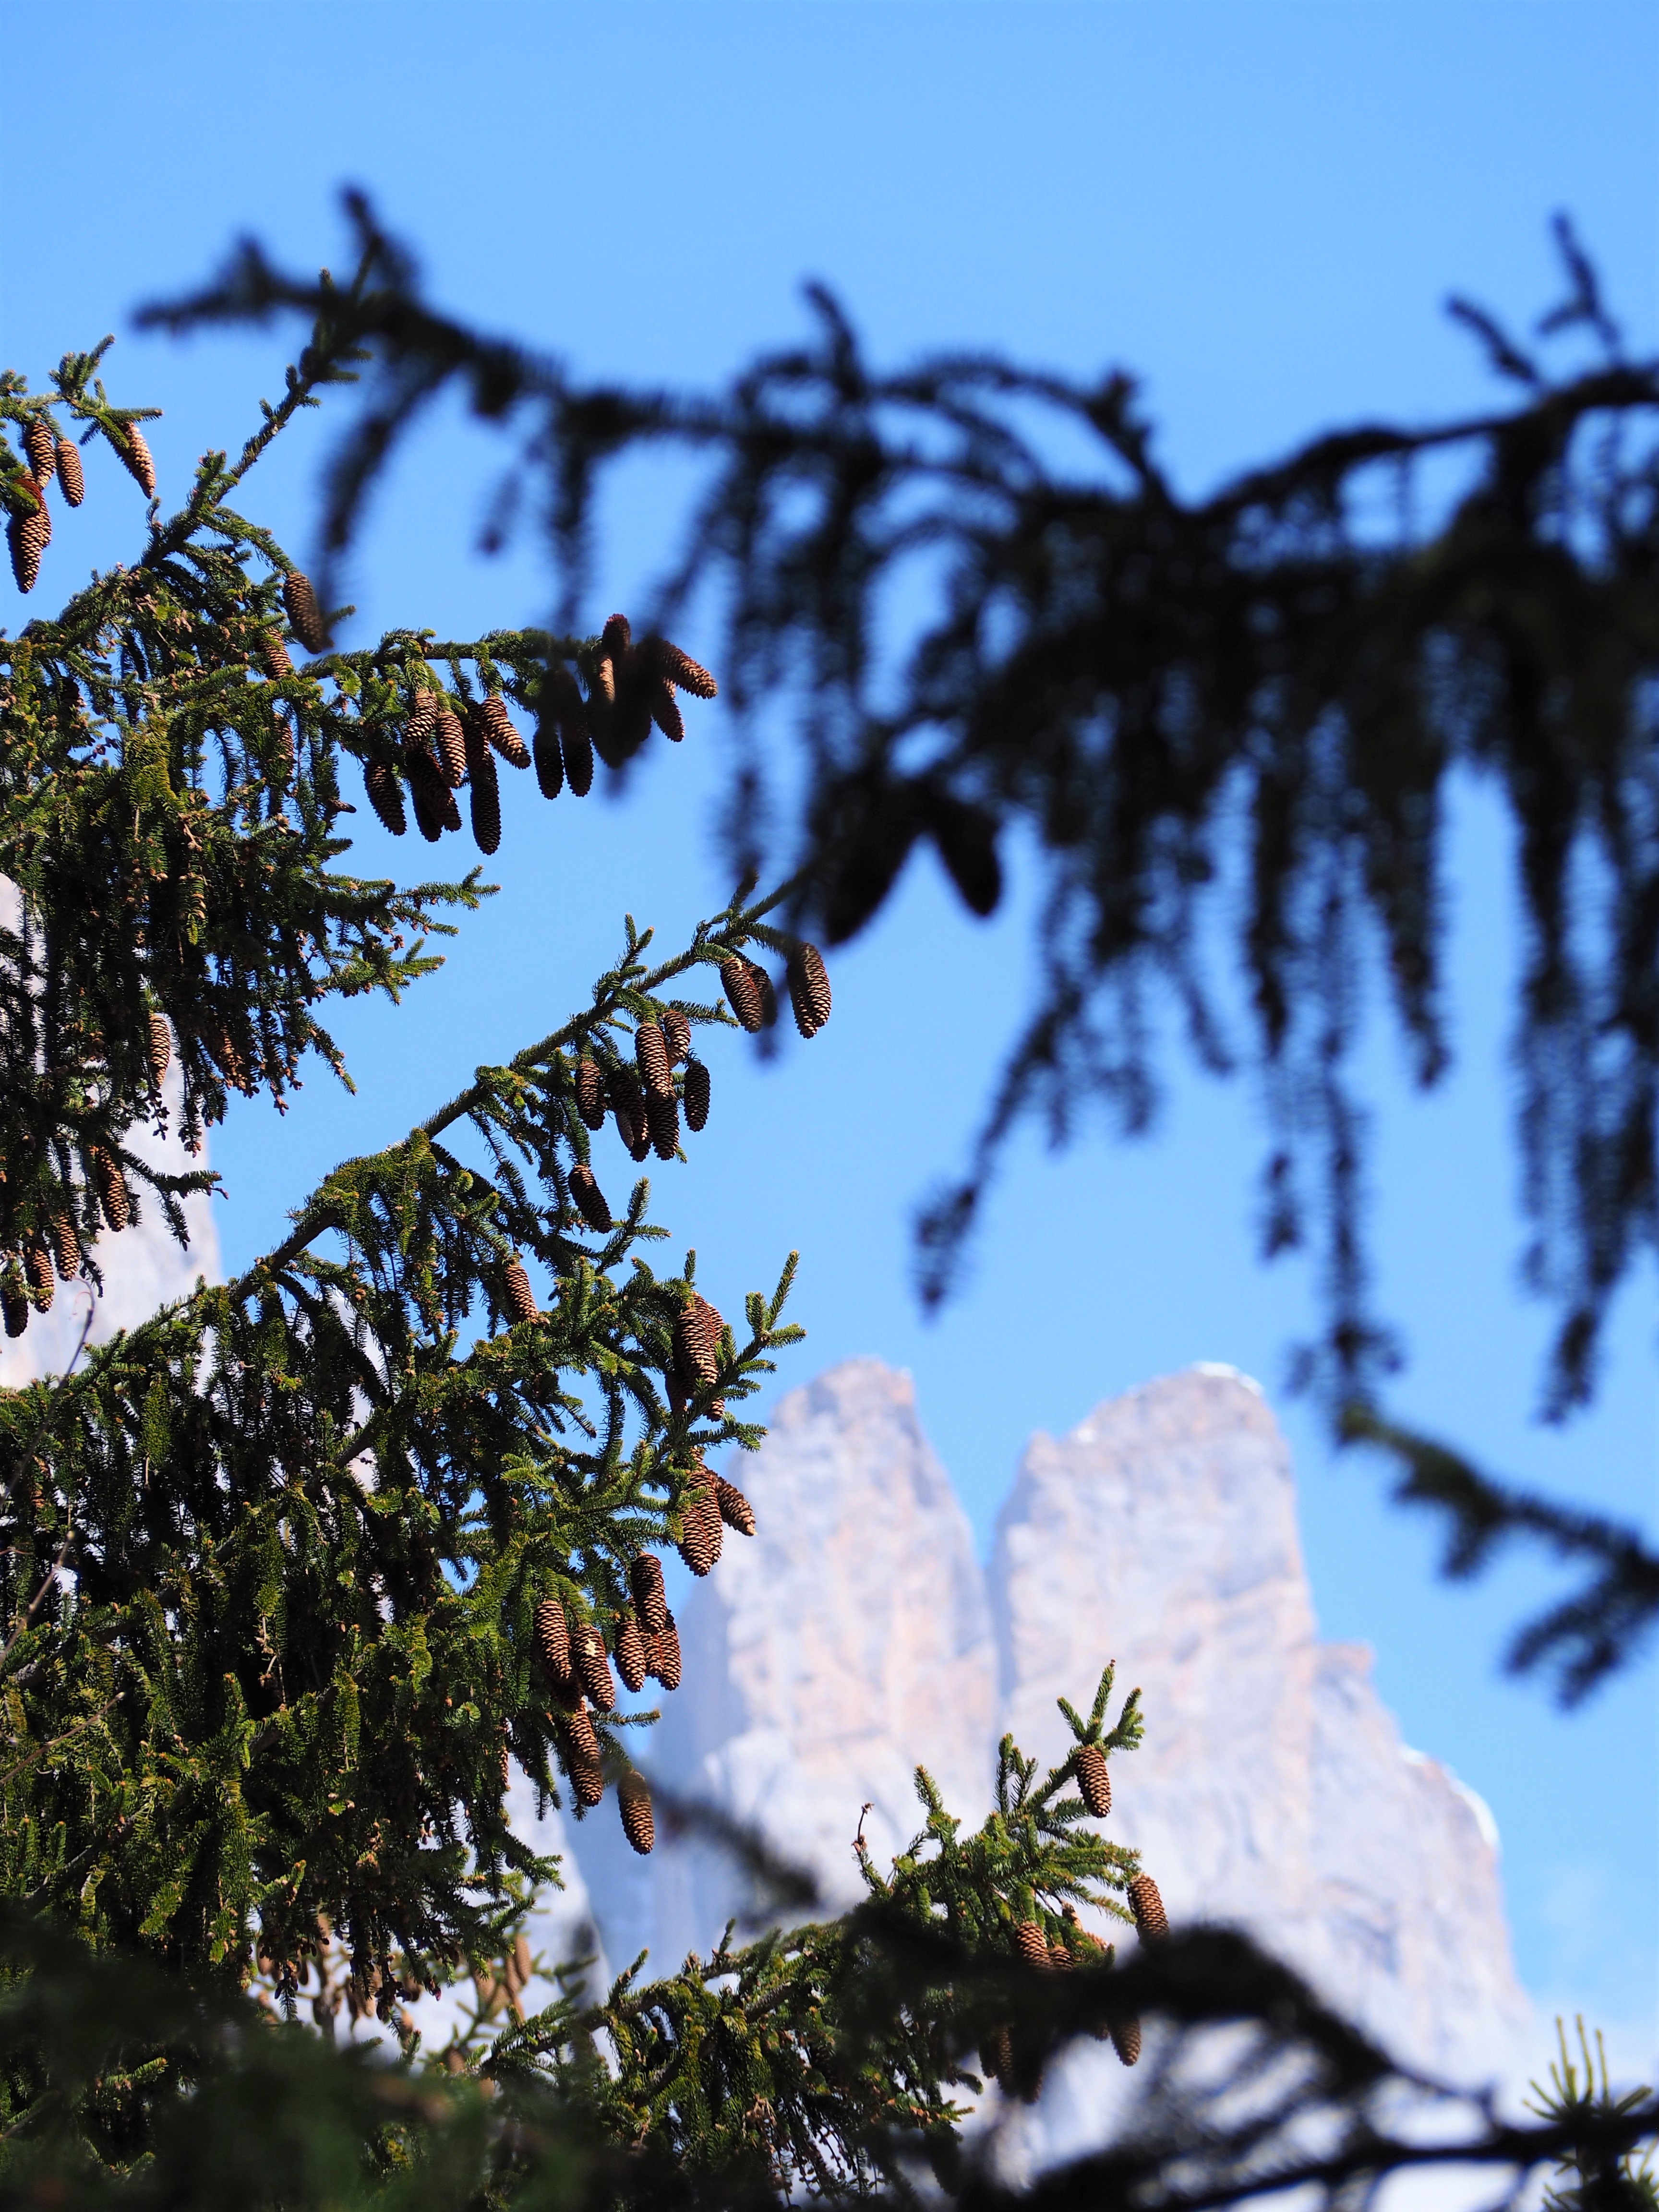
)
(28, 529)
(443, 749)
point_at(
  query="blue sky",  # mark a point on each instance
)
(1258, 208)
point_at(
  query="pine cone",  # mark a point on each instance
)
(386, 796)
(65, 1247)
(628, 1104)
(697, 1341)
(662, 1119)
(577, 746)
(485, 804)
(37, 1268)
(41, 448)
(808, 989)
(549, 769)
(1151, 1922)
(996, 2059)
(498, 728)
(590, 1199)
(627, 1649)
(700, 1528)
(651, 1058)
(587, 1782)
(581, 1755)
(423, 718)
(13, 1303)
(517, 1295)
(676, 1035)
(281, 752)
(590, 1092)
(160, 1047)
(734, 1508)
(664, 1648)
(665, 708)
(696, 1094)
(1058, 1957)
(450, 741)
(113, 1195)
(679, 668)
(507, 1766)
(553, 1640)
(1126, 2040)
(70, 474)
(1031, 1943)
(593, 1668)
(739, 977)
(305, 617)
(645, 1577)
(768, 998)
(426, 786)
(633, 1803)
(1093, 1779)
(136, 459)
(274, 655)
(28, 537)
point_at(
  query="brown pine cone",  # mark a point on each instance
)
(1058, 1957)
(1093, 1779)
(808, 989)
(386, 796)
(664, 1649)
(305, 617)
(423, 718)
(768, 998)
(696, 1094)
(1126, 2040)
(587, 1782)
(651, 1058)
(485, 804)
(507, 1766)
(590, 1092)
(70, 474)
(628, 1104)
(426, 786)
(697, 1341)
(734, 1508)
(65, 1247)
(553, 1640)
(662, 1119)
(28, 537)
(41, 448)
(274, 655)
(996, 2059)
(593, 1668)
(160, 1047)
(700, 1529)
(450, 741)
(645, 1578)
(13, 1303)
(37, 1268)
(549, 769)
(590, 1199)
(1151, 1922)
(676, 1035)
(664, 709)
(137, 458)
(633, 1803)
(738, 978)
(517, 1295)
(627, 1649)
(113, 1195)
(679, 668)
(577, 747)
(1031, 1943)
(498, 728)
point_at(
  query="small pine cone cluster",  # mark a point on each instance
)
(450, 741)
(70, 474)
(589, 1087)
(627, 1649)
(553, 1642)
(677, 1035)
(645, 1578)
(37, 1269)
(663, 1653)
(743, 983)
(651, 1058)
(305, 617)
(662, 1121)
(1093, 1779)
(160, 1047)
(697, 1341)
(137, 460)
(588, 1653)
(28, 537)
(386, 796)
(590, 1199)
(633, 1803)
(563, 748)
(808, 989)
(113, 1196)
(517, 1295)
(1031, 1943)
(13, 1303)
(700, 1526)
(41, 448)
(497, 726)
(1126, 2040)
(1151, 1922)
(695, 1099)
(734, 1508)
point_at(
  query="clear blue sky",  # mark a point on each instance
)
(1258, 208)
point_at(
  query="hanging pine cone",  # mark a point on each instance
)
(549, 769)
(498, 728)
(37, 1268)
(695, 1099)
(697, 1341)
(590, 1092)
(676, 1035)
(305, 617)
(274, 654)
(664, 708)
(1031, 1943)
(506, 1765)
(13, 1303)
(996, 2059)
(423, 718)
(160, 1047)
(593, 1668)
(739, 978)
(734, 1508)
(700, 1528)
(645, 1579)
(39, 446)
(651, 1058)
(1060, 1958)
(633, 1803)
(485, 804)
(281, 752)
(553, 1640)
(221, 1051)
(28, 537)
(627, 1649)
(70, 474)
(517, 1295)
(137, 458)
(587, 1782)
(677, 668)
(1093, 1779)
(808, 989)
(581, 1757)
(662, 1119)
(113, 1195)
(426, 786)
(628, 1104)
(1126, 2040)
(576, 1727)
(576, 745)
(65, 1247)
(663, 1650)
(450, 741)
(590, 1199)
(386, 796)
(1151, 1922)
